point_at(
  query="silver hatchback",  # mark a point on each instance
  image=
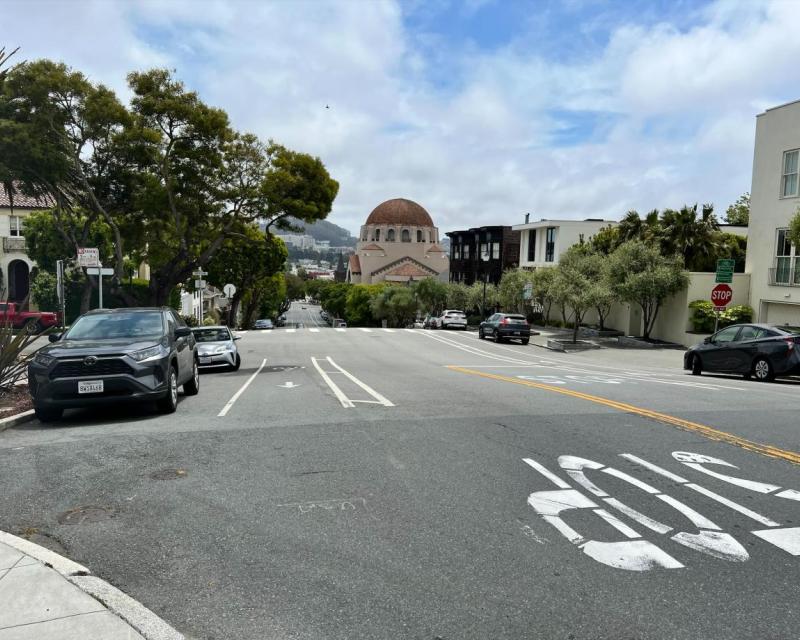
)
(216, 347)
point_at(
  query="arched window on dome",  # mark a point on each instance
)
(405, 235)
(430, 235)
(377, 235)
(419, 235)
(390, 235)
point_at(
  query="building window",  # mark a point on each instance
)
(790, 170)
(405, 235)
(16, 226)
(419, 235)
(787, 260)
(484, 251)
(532, 245)
(456, 252)
(466, 252)
(430, 236)
(390, 235)
(495, 251)
(377, 235)
(550, 244)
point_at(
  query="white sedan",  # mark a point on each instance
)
(216, 347)
(453, 319)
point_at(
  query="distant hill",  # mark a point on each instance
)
(324, 230)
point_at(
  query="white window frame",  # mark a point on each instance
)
(795, 173)
(793, 271)
(15, 227)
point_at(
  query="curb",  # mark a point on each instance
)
(13, 421)
(147, 623)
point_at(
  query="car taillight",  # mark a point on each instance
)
(790, 343)
(504, 321)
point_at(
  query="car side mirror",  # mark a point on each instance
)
(707, 340)
(54, 337)
(183, 332)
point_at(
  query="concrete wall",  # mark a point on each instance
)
(777, 130)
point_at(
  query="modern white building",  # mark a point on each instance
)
(542, 242)
(772, 261)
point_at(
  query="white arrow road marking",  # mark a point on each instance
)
(236, 395)
(288, 385)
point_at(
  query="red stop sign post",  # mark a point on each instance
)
(721, 295)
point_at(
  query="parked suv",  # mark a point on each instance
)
(453, 319)
(114, 355)
(505, 326)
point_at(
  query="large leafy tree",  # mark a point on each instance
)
(431, 295)
(639, 274)
(572, 285)
(739, 212)
(543, 291)
(634, 227)
(396, 305)
(245, 259)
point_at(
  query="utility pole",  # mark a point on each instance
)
(60, 290)
(200, 285)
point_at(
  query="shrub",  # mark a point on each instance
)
(191, 321)
(474, 319)
(703, 316)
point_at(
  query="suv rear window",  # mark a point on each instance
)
(520, 318)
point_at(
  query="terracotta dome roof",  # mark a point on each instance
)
(400, 211)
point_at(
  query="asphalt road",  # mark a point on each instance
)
(417, 484)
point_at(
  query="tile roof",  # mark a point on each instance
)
(24, 202)
(435, 247)
(373, 247)
(355, 264)
(408, 269)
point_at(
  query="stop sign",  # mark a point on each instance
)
(721, 295)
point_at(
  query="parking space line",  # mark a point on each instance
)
(241, 390)
(346, 402)
(385, 402)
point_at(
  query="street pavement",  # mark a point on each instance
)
(427, 484)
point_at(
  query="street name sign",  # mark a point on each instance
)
(721, 295)
(725, 269)
(89, 257)
(100, 271)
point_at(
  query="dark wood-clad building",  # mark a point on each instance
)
(499, 244)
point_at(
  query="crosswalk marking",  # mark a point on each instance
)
(366, 330)
(314, 330)
(389, 330)
(340, 330)
(291, 330)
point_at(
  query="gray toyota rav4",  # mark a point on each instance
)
(115, 355)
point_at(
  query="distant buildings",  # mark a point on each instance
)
(483, 253)
(542, 242)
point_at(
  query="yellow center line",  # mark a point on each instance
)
(702, 429)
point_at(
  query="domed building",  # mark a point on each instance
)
(398, 243)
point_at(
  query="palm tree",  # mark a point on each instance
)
(630, 227)
(683, 234)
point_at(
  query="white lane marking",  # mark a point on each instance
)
(291, 330)
(340, 330)
(365, 330)
(265, 331)
(552, 477)
(633, 514)
(653, 467)
(382, 400)
(786, 539)
(314, 330)
(477, 352)
(346, 402)
(241, 390)
(733, 505)
(390, 330)
(697, 460)
(615, 522)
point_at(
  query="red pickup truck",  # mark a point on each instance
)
(37, 321)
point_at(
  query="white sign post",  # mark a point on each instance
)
(200, 285)
(100, 271)
(229, 290)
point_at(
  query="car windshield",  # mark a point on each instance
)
(104, 326)
(211, 335)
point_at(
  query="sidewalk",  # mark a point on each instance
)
(45, 596)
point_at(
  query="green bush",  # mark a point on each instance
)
(703, 316)
(473, 320)
(191, 321)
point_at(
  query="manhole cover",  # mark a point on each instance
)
(169, 474)
(79, 515)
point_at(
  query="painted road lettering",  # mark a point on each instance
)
(635, 553)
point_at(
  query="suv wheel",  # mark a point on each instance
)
(192, 387)
(169, 403)
(762, 370)
(48, 414)
(480, 334)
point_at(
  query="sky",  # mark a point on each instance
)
(479, 110)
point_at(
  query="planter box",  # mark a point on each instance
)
(588, 332)
(568, 345)
(639, 343)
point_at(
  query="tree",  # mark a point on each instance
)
(458, 296)
(684, 234)
(739, 212)
(542, 290)
(431, 295)
(633, 227)
(244, 260)
(43, 291)
(396, 305)
(794, 229)
(358, 308)
(333, 298)
(639, 274)
(600, 295)
(571, 286)
(605, 240)
(295, 287)
(511, 290)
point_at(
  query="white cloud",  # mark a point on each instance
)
(475, 137)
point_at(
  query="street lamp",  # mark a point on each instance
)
(485, 259)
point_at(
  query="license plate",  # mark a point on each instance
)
(516, 333)
(205, 360)
(90, 386)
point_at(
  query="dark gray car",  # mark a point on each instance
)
(115, 355)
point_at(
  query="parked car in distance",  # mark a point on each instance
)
(339, 323)
(263, 323)
(762, 351)
(324, 315)
(216, 347)
(505, 326)
(115, 355)
(431, 322)
(280, 321)
(35, 321)
(453, 319)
